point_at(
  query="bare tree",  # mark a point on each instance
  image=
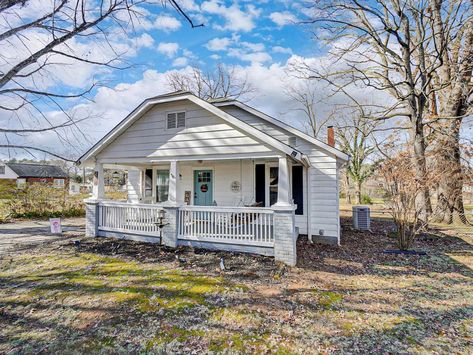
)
(452, 23)
(402, 186)
(304, 94)
(222, 82)
(402, 47)
(354, 138)
(36, 43)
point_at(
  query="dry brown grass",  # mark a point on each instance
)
(119, 296)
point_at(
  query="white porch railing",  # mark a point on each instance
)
(124, 217)
(233, 225)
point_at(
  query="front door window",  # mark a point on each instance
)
(203, 189)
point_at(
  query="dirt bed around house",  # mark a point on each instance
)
(117, 296)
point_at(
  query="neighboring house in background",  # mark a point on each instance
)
(28, 173)
(219, 175)
(79, 188)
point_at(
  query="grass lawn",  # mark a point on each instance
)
(120, 296)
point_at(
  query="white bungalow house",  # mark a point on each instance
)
(218, 175)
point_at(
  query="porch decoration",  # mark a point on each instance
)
(235, 186)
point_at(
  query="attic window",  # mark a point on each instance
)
(176, 120)
(292, 141)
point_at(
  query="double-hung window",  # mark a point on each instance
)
(176, 120)
(160, 191)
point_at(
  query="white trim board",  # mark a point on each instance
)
(148, 103)
(285, 126)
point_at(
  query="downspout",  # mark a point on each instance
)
(309, 207)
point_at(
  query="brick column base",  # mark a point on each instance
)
(91, 217)
(285, 235)
(169, 232)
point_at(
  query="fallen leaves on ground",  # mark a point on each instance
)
(116, 296)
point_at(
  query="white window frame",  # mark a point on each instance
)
(61, 185)
(176, 125)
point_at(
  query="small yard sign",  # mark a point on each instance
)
(55, 225)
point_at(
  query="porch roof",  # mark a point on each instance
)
(234, 121)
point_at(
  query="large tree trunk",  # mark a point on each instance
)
(420, 165)
(358, 192)
(347, 189)
(450, 207)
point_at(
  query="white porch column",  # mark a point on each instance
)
(171, 208)
(283, 183)
(284, 218)
(173, 181)
(98, 189)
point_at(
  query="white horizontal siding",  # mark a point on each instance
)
(324, 195)
(204, 134)
(224, 173)
(9, 173)
(133, 186)
(324, 203)
(257, 122)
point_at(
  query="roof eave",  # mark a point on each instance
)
(146, 104)
(293, 130)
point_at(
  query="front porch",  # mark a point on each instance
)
(202, 204)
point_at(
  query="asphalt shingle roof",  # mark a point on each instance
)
(37, 170)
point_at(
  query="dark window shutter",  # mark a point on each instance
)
(260, 190)
(298, 188)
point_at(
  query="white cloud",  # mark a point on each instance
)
(218, 44)
(255, 47)
(283, 18)
(234, 18)
(215, 57)
(167, 23)
(257, 57)
(145, 40)
(269, 81)
(169, 49)
(188, 5)
(180, 62)
(282, 50)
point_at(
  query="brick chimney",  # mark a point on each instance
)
(330, 136)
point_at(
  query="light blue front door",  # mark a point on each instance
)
(203, 188)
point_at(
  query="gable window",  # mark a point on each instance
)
(2, 169)
(176, 120)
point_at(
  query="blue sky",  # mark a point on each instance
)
(234, 33)
(260, 39)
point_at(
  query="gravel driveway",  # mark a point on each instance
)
(22, 233)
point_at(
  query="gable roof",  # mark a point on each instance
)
(180, 95)
(338, 153)
(37, 170)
